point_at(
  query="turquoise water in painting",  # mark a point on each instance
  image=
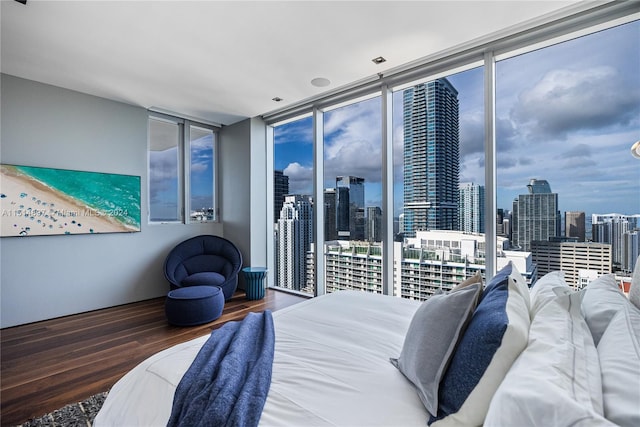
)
(116, 196)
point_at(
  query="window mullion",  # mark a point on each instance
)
(387, 190)
(490, 164)
(271, 219)
(318, 200)
(184, 171)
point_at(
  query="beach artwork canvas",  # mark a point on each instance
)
(36, 201)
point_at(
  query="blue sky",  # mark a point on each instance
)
(164, 178)
(202, 172)
(568, 113)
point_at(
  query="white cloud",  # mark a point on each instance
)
(300, 178)
(353, 142)
(298, 132)
(163, 172)
(565, 101)
(471, 133)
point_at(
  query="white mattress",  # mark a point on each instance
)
(331, 367)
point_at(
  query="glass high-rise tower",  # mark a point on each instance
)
(350, 207)
(294, 238)
(535, 215)
(471, 208)
(431, 157)
(330, 229)
(280, 189)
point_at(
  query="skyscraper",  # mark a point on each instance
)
(574, 225)
(503, 223)
(280, 189)
(630, 250)
(342, 212)
(295, 232)
(350, 207)
(374, 224)
(535, 215)
(611, 228)
(330, 230)
(431, 157)
(471, 211)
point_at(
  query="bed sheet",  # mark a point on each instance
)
(331, 368)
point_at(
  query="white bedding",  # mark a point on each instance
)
(331, 367)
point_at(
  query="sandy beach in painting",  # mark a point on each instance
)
(29, 208)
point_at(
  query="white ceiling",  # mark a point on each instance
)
(223, 61)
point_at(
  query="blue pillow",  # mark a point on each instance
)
(496, 335)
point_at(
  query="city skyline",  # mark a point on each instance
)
(554, 125)
(568, 114)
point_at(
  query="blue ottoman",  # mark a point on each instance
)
(194, 305)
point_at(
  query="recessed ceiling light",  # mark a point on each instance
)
(378, 60)
(277, 99)
(320, 82)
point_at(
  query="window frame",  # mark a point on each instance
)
(566, 24)
(184, 167)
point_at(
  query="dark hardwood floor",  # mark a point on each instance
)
(48, 364)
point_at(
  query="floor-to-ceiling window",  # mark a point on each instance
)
(352, 194)
(567, 188)
(438, 183)
(562, 117)
(293, 205)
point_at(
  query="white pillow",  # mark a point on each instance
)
(431, 338)
(556, 379)
(602, 300)
(546, 289)
(619, 352)
(496, 335)
(634, 292)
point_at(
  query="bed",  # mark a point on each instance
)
(333, 348)
(494, 354)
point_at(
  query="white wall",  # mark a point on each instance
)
(43, 277)
(244, 197)
(258, 201)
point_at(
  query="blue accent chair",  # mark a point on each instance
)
(204, 261)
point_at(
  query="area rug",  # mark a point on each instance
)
(73, 415)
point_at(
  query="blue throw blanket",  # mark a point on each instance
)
(228, 382)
